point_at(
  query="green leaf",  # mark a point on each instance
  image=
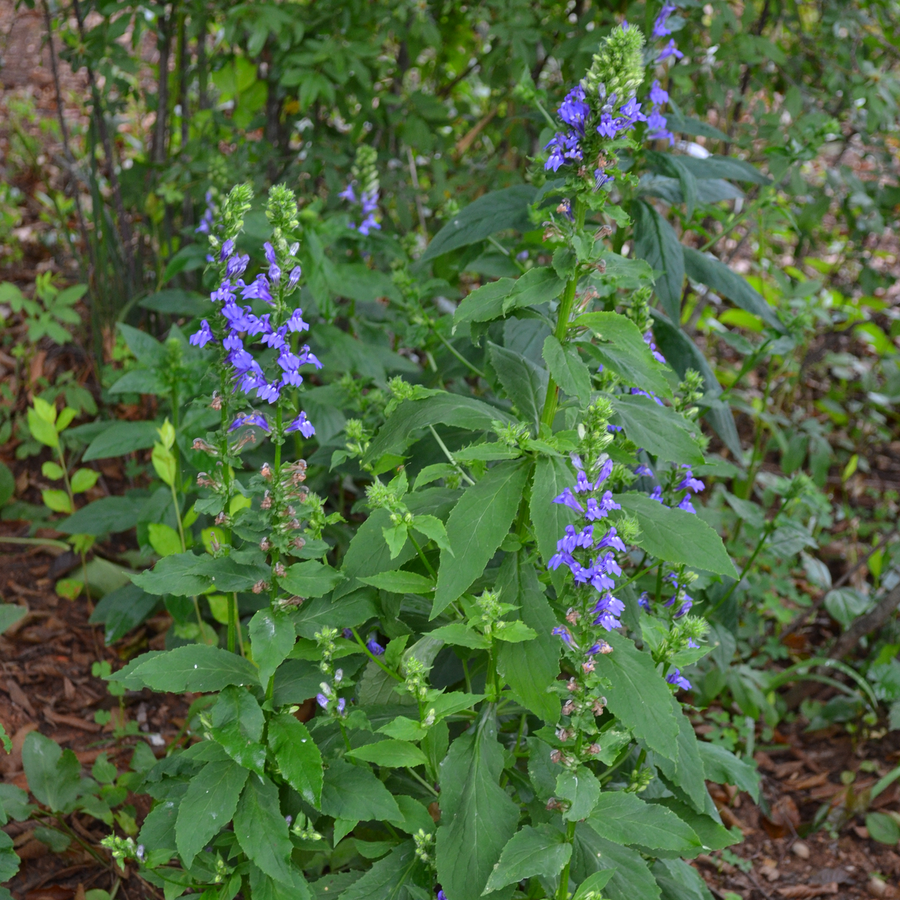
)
(400, 582)
(713, 835)
(623, 350)
(195, 667)
(123, 609)
(41, 429)
(684, 768)
(261, 829)
(708, 270)
(10, 613)
(351, 610)
(476, 527)
(593, 885)
(532, 851)
(637, 694)
(297, 756)
(513, 632)
(107, 515)
(679, 881)
(883, 828)
(658, 429)
(54, 775)
(631, 879)
(237, 725)
(396, 877)
(442, 409)
(391, 753)
(496, 211)
(146, 349)
(208, 806)
(292, 886)
(8, 484)
(353, 792)
(9, 863)
(175, 576)
(723, 767)
(477, 816)
(499, 298)
(567, 368)
(310, 579)
(272, 636)
(677, 536)
(626, 819)
(529, 668)
(83, 480)
(524, 382)
(58, 501)
(164, 539)
(50, 470)
(655, 241)
(714, 166)
(579, 788)
(460, 635)
(177, 302)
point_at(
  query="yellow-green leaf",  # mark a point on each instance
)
(164, 462)
(83, 480)
(58, 501)
(52, 470)
(164, 539)
(42, 430)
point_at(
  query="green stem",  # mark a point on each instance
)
(422, 781)
(564, 313)
(373, 657)
(232, 622)
(474, 369)
(449, 456)
(746, 567)
(422, 555)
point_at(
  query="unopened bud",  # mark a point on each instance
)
(266, 471)
(216, 402)
(260, 586)
(279, 570)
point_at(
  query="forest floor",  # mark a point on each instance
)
(46, 660)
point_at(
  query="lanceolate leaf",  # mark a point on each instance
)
(658, 429)
(353, 792)
(677, 536)
(441, 409)
(476, 527)
(497, 211)
(567, 368)
(477, 816)
(54, 774)
(272, 636)
(297, 757)
(195, 667)
(655, 241)
(638, 696)
(626, 819)
(237, 725)
(261, 829)
(722, 766)
(531, 851)
(524, 382)
(530, 668)
(208, 806)
(706, 269)
(631, 879)
(393, 878)
(552, 476)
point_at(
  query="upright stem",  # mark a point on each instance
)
(232, 622)
(564, 313)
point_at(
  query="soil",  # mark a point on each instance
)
(46, 680)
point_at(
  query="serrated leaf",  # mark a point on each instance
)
(656, 242)
(297, 756)
(677, 536)
(9, 863)
(476, 527)
(631, 878)
(679, 881)
(530, 668)
(723, 767)
(396, 877)
(208, 806)
(524, 382)
(632, 674)
(477, 816)
(580, 789)
(658, 429)
(460, 635)
(391, 753)
(567, 368)
(120, 439)
(540, 850)
(624, 818)
(684, 767)
(237, 726)
(496, 211)
(708, 270)
(196, 667)
(622, 348)
(400, 582)
(261, 829)
(272, 635)
(310, 579)
(353, 792)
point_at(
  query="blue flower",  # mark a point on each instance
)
(648, 340)
(258, 290)
(566, 149)
(601, 509)
(659, 26)
(600, 179)
(567, 498)
(374, 647)
(582, 485)
(656, 128)
(348, 194)
(202, 337)
(612, 539)
(369, 224)
(658, 95)
(689, 483)
(656, 494)
(562, 632)
(322, 700)
(604, 473)
(301, 424)
(686, 504)
(269, 392)
(676, 678)
(253, 419)
(294, 277)
(669, 50)
(573, 110)
(644, 601)
(643, 470)
(237, 265)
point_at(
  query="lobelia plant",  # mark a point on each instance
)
(494, 663)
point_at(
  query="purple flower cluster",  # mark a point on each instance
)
(597, 565)
(688, 483)
(238, 322)
(206, 220)
(675, 677)
(368, 202)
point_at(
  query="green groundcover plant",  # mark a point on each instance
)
(497, 660)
